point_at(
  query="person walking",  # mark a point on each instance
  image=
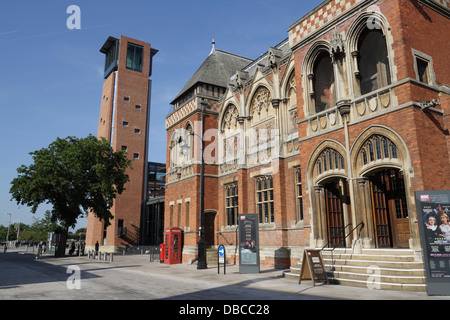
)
(39, 251)
(96, 249)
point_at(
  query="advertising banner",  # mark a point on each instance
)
(248, 243)
(433, 211)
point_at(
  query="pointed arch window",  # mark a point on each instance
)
(384, 149)
(373, 61)
(330, 159)
(323, 82)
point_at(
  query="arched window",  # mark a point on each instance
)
(181, 147)
(291, 95)
(188, 143)
(230, 135)
(373, 62)
(378, 147)
(323, 82)
(329, 160)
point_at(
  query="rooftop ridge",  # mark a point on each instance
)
(233, 54)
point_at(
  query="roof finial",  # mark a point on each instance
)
(213, 50)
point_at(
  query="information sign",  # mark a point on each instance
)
(221, 258)
(433, 212)
(248, 243)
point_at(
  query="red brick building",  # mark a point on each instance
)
(124, 121)
(335, 126)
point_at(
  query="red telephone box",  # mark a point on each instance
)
(172, 243)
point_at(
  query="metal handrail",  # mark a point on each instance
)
(332, 250)
(362, 227)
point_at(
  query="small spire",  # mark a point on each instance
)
(213, 50)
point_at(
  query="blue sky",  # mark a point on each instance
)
(51, 77)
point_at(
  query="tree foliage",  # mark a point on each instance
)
(73, 175)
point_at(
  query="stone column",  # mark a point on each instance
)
(364, 208)
(319, 216)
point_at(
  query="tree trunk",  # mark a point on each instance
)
(61, 249)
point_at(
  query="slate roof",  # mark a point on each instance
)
(216, 70)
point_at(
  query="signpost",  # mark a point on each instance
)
(312, 267)
(433, 212)
(221, 258)
(248, 243)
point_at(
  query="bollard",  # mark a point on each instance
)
(89, 254)
(111, 257)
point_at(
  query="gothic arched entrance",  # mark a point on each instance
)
(389, 209)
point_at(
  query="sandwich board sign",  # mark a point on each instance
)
(312, 267)
(433, 212)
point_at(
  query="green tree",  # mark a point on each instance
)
(73, 175)
(39, 229)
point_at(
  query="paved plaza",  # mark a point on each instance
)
(134, 277)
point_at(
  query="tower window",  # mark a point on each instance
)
(137, 131)
(136, 156)
(422, 70)
(125, 123)
(134, 57)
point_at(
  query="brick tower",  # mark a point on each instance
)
(124, 121)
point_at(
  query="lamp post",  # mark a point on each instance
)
(7, 234)
(201, 245)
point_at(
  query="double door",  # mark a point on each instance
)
(335, 215)
(390, 213)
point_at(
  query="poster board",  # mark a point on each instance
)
(248, 243)
(312, 267)
(433, 215)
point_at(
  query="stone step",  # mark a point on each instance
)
(403, 272)
(374, 276)
(389, 269)
(379, 263)
(384, 251)
(380, 285)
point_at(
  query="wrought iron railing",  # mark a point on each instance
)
(360, 225)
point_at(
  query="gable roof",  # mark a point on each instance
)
(216, 70)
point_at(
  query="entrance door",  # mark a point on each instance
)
(389, 209)
(209, 228)
(335, 217)
(398, 209)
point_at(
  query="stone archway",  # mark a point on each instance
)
(382, 166)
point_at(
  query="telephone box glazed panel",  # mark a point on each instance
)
(172, 242)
